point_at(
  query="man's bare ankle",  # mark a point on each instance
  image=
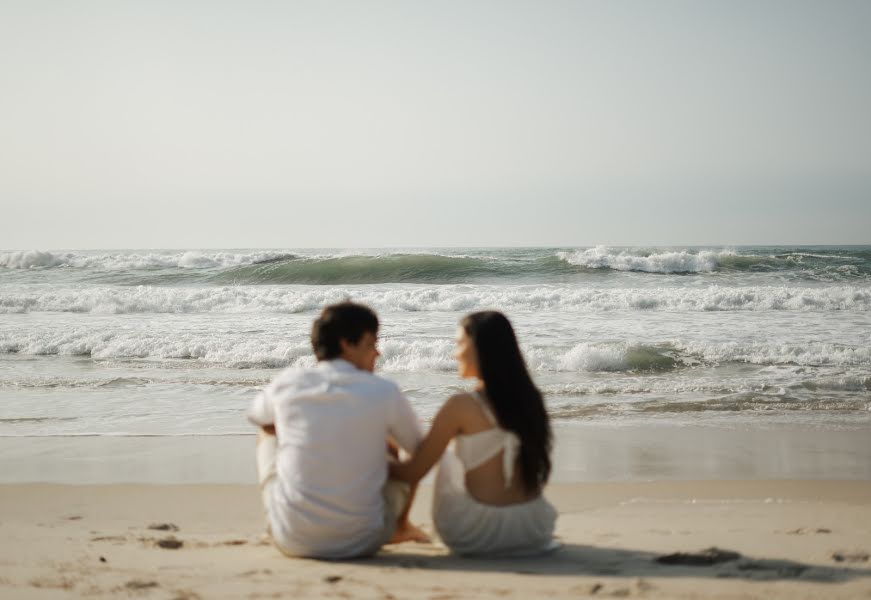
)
(408, 532)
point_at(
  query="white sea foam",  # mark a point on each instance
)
(722, 385)
(775, 353)
(286, 299)
(801, 255)
(682, 261)
(838, 384)
(30, 259)
(436, 354)
(417, 355)
(582, 357)
(215, 349)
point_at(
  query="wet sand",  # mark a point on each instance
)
(583, 452)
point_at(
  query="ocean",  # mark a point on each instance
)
(169, 343)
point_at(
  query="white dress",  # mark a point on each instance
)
(469, 527)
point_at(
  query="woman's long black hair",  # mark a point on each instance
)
(516, 402)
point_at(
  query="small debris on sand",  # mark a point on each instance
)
(803, 531)
(170, 543)
(333, 578)
(164, 526)
(103, 559)
(850, 557)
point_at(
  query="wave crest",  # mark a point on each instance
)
(392, 268)
(190, 259)
(30, 259)
(682, 261)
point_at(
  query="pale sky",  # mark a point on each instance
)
(213, 124)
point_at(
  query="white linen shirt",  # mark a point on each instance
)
(331, 423)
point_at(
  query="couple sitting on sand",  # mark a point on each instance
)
(331, 487)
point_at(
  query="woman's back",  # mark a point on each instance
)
(489, 455)
(480, 503)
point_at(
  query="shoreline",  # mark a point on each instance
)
(583, 452)
(795, 539)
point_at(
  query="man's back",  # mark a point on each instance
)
(331, 423)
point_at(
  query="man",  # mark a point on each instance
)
(321, 453)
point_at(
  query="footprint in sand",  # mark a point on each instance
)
(136, 584)
(600, 589)
(254, 572)
(62, 583)
(109, 538)
(803, 531)
(233, 543)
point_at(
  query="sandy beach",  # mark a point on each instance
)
(793, 539)
(78, 518)
(665, 200)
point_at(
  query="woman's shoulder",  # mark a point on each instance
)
(466, 408)
(462, 401)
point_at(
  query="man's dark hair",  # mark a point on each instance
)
(343, 321)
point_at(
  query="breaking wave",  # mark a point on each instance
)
(433, 354)
(433, 266)
(682, 261)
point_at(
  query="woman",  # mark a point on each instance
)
(488, 488)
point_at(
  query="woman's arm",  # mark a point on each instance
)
(444, 427)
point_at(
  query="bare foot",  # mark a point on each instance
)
(406, 532)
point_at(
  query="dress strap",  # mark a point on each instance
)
(510, 450)
(482, 402)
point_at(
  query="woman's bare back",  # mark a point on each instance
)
(486, 482)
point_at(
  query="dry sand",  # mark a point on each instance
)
(796, 539)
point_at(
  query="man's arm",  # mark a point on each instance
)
(404, 428)
(405, 432)
(261, 413)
